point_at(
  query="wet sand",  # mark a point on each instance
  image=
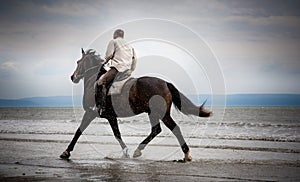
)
(32, 140)
(35, 158)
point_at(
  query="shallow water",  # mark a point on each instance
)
(273, 129)
(239, 123)
(246, 143)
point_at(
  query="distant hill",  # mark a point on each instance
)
(231, 100)
(55, 101)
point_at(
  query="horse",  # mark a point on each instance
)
(150, 95)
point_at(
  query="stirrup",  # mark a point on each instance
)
(95, 108)
(101, 112)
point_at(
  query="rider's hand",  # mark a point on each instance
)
(105, 62)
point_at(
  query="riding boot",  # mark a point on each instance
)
(102, 101)
(98, 93)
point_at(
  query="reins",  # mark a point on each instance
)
(86, 71)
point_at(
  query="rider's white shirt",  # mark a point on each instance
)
(122, 53)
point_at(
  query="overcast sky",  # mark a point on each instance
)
(257, 42)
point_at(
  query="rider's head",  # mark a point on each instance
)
(118, 33)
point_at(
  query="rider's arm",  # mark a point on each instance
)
(109, 51)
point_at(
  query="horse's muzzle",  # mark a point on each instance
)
(75, 78)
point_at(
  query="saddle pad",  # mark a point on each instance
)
(116, 87)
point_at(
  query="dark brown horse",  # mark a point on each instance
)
(145, 94)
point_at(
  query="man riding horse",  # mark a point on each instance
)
(123, 61)
(145, 94)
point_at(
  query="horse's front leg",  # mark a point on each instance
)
(88, 116)
(115, 127)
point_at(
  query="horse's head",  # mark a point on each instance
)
(88, 62)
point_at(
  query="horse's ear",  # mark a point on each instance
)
(82, 51)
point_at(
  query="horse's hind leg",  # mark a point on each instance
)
(86, 120)
(157, 109)
(155, 130)
(170, 123)
(114, 126)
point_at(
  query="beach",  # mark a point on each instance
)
(264, 147)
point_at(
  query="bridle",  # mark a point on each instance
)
(86, 71)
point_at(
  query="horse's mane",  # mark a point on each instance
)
(94, 54)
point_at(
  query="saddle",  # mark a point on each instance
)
(121, 79)
(119, 82)
(117, 86)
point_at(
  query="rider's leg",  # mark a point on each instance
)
(103, 83)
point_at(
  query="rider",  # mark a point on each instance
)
(123, 60)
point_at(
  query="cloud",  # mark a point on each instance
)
(264, 8)
(8, 65)
(8, 69)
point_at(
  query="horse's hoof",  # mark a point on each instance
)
(137, 153)
(187, 157)
(65, 155)
(125, 153)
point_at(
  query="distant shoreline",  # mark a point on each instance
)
(215, 100)
(80, 107)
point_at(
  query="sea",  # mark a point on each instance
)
(248, 129)
(242, 123)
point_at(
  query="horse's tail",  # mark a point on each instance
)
(186, 106)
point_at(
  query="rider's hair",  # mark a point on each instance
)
(119, 33)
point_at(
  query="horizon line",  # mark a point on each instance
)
(227, 94)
